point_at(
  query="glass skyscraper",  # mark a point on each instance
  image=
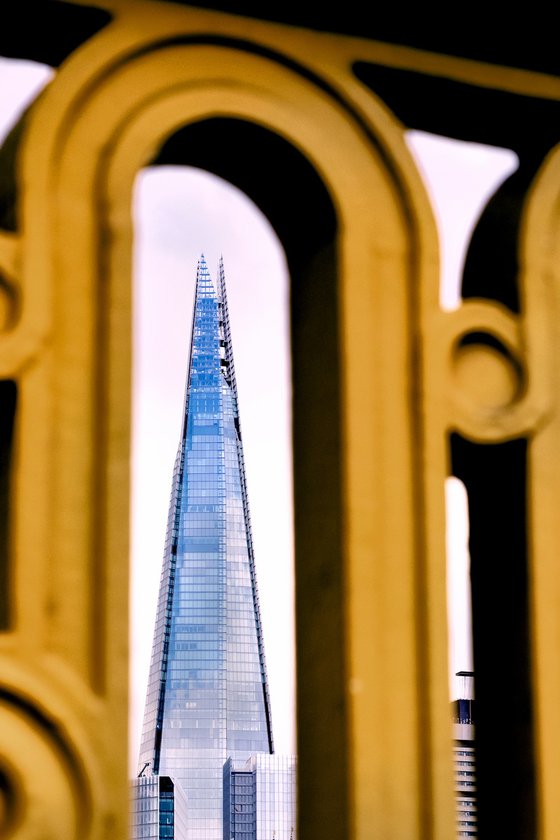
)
(207, 697)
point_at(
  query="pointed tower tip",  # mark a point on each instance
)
(204, 285)
(201, 266)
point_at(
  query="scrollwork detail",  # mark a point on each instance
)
(44, 794)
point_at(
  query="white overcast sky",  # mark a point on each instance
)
(181, 213)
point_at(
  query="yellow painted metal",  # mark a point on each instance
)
(405, 377)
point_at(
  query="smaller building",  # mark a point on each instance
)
(464, 756)
(260, 798)
(159, 809)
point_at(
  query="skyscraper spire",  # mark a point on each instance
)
(207, 696)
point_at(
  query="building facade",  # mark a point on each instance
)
(207, 697)
(158, 809)
(260, 798)
(464, 756)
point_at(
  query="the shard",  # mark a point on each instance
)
(207, 697)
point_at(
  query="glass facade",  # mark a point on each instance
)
(465, 757)
(207, 696)
(159, 809)
(260, 798)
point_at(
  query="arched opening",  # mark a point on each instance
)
(286, 188)
(521, 127)
(179, 212)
